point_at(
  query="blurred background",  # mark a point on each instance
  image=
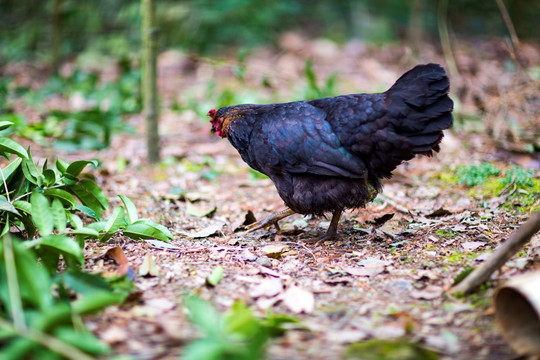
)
(66, 27)
(218, 53)
(71, 76)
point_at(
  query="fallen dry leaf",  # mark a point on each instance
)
(267, 271)
(149, 266)
(370, 269)
(298, 300)
(206, 232)
(265, 303)
(393, 330)
(534, 247)
(117, 254)
(428, 293)
(472, 245)
(370, 260)
(199, 211)
(269, 287)
(483, 256)
(346, 336)
(161, 304)
(274, 250)
(447, 341)
(239, 223)
(114, 335)
(161, 244)
(438, 212)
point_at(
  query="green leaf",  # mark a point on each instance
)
(50, 177)
(12, 147)
(96, 301)
(41, 213)
(143, 230)
(240, 320)
(7, 206)
(85, 283)
(207, 349)
(34, 282)
(31, 173)
(116, 221)
(75, 221)
(49, 257)
(5, 124)
(59, 215)
(204, 315)
(83, 340)
(28, 225)
(86, 231)
(381, 349)
(88, 201)
(63, 195)
(104, 237)
(9, 171)
(96, 191)
(157, 226)
(70, 179)
(76, 167)
(131, 210)
(65, 244)
(99, 226)
(61, 165)
(215, 277)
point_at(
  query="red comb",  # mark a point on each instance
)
(211, 113)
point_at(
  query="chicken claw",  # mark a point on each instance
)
(270, 220)
(331, 233)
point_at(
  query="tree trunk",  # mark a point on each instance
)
(56, 34)
(416, 28)
(149, 62)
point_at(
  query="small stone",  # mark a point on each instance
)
(264, 261)
(248, 256)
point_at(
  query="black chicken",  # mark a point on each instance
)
(330, 154)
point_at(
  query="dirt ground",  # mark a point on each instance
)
(387, 275)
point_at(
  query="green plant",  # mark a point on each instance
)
(518, 176)
(520, 185)
(40, 308)
(102, 108)
(238, 334)
(472, 175)
(445, 233)
(316, 91)
(380, 349)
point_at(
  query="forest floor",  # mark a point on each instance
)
(388, 273)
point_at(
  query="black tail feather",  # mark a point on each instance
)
(421, 107)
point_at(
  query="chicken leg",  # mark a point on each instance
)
(275, 217)
(270, 220)
(332, 229)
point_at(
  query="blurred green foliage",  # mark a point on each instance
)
(64, 27)
(521, 186)
(238, 334)
(472, 175)
(100, 110)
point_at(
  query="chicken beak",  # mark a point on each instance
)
(213, 130)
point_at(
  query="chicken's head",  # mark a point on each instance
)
(217, 122)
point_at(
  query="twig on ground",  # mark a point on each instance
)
(304, 246)
(395, 205)
(516, 241)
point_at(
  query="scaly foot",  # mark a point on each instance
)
(269, 220)
(331, 233)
